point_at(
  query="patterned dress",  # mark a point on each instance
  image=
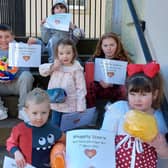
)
(130, 151)
(134, 154)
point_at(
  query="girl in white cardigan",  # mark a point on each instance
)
(67, 73)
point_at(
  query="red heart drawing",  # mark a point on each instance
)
(90, 153)
(76, 121)
(110, 74)
(26, 57)
(57, 21)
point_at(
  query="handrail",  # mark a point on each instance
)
(146, 50)
(140, 33)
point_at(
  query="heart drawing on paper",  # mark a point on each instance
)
(90, 153)
(76, 121)
(26, 57)
(57, 21)
(110, 74)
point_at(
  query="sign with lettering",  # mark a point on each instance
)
(59, 21)
(24, 55)
(11, 163)
(110, 71)
(77, 119)
(89, 148)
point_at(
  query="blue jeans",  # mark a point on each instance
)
(56, 118)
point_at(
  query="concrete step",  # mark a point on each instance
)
(11, 103)
(5, 129)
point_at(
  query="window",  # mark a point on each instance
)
(74, 4)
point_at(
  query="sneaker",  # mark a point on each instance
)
(23, 116)
(3, 113)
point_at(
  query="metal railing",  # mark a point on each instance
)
(13, 14)
(25, 15)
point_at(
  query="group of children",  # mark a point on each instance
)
(32, 140)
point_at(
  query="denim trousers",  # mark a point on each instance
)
(56, 118)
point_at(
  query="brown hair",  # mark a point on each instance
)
(141, 83)
(66, 41)
(61, 6)
(120, 53)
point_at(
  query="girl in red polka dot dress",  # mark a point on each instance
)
(144, 91)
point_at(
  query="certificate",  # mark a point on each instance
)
(110, 71)
(77, 119)
(24, 55)
(10, 163)
(89, 148)
(58, 21)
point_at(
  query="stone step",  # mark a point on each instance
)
(11, 103)
(5, 129)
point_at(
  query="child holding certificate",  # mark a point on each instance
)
(52, 36)
(14, 81)
(32, 142)
(99, 93)
(66, 73)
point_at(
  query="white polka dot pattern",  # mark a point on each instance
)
(146, 159)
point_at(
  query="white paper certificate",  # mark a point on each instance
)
(10, 163)
(110, 71)
(90, 149)
(76, 119)
(58, 21)
(24, 55)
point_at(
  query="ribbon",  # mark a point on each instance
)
(136, 147)
(150, 69)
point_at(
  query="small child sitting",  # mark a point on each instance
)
(32, 142)
(52, 36)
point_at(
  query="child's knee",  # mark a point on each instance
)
(26, 76)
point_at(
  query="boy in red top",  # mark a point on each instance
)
(32, 142)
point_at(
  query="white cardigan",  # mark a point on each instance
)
(71, 79)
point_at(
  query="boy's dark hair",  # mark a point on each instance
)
(5, 27)
(141, 83)
(66, 41)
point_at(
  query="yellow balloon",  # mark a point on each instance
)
(141, 125)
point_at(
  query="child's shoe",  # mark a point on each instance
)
(3, 113)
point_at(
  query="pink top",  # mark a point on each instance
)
(70, 78)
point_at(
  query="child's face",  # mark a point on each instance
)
(109, 47)
(65, 54)
(141, 101)
(38, 113)
(5, 38)
(59, 9)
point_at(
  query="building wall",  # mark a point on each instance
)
(157, 33)
(128, 31)
(154, 13)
